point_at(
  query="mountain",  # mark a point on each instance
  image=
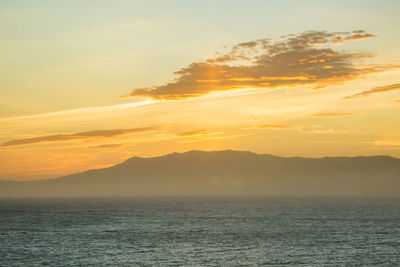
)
(224, 173)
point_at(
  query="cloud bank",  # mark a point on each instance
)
(303, 59)
(77, 136)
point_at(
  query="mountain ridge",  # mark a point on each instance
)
(226, 172)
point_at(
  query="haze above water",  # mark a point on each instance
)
(206, 231)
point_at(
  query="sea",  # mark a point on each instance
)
(200, 231)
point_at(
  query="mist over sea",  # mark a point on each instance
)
(208, 231)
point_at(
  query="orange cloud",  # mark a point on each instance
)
(291, 60)
(77, 136)
(380, 89)
(334, 114)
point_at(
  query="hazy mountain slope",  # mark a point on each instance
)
(224, 173)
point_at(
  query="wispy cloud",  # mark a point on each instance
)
(194, 133)
(390, 140)
(358, 35)
(194, 139)
(79, 111)
(337, 114)
(324, 131)
(388, 143)
(306, 129)
(303, 59)
(203, 135)
(110, 146)
(375, 90)
(270, 126)
(78, 136)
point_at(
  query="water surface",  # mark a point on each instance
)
(200, 231)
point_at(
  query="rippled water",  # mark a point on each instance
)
(200, 231)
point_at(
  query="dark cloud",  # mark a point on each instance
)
(376, 90)
(77, 136)
(292, 60)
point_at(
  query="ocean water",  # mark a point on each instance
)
(200, 232)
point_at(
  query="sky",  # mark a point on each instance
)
(88, 84)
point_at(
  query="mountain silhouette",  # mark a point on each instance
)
(223, 173)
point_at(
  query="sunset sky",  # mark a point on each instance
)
(88, 84)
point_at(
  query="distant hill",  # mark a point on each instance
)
(224, 173)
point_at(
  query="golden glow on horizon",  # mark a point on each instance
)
(285, 125)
